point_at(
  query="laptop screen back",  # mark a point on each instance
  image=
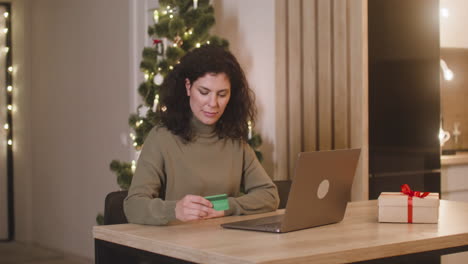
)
(321, 188)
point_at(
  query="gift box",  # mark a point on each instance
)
(408, 206)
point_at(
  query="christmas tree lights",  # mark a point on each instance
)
(6, 57)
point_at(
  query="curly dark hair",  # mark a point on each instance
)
(195, 64)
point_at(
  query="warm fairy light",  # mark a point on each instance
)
(146, 76)
(164, 12)
(168, 7)
(135, 144)
(156, 16)
(171, 16)
(155, 103)
(171, 68)
(133, 166)
(132, 136)
(170, 11)
(190, 32)
(138, 123)
(198, 45)
(159, 68)
(249, 124)
(164, 108)
(5, 51)
(174, 45)
(208, 42)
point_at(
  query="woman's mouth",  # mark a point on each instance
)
(210, 114)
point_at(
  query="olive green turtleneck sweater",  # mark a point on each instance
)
(205, 166)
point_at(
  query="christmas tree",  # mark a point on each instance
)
(179, 26)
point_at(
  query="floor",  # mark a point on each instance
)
(21, 253)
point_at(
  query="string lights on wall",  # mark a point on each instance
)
(6, 66)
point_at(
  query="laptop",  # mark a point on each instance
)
(320, 191)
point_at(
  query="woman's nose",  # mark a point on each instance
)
(213, 101)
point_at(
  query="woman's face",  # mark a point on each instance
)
(209, 96)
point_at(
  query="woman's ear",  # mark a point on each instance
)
(188, 85)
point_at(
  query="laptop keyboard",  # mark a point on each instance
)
(269, 224)
(272, 223)
(273, 227)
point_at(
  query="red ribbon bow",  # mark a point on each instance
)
(405, 189)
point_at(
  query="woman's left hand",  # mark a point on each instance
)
(213, 214)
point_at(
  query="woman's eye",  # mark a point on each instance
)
(222, 94)
(204, 92)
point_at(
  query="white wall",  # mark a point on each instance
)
(22, 158)
(250, 28)
(453, 30)
(80, 101)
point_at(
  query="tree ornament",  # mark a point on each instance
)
(178, 41)
(142, 111)
(158, 79)
(159, 46)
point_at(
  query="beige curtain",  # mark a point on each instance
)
(321, 81)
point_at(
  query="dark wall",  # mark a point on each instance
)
(404, 99)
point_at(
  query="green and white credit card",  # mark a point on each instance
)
(220, 201)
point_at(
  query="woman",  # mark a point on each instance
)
(200, 148)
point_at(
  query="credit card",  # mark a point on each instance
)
(220, 201)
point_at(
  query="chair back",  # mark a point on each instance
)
(283, 190)
(113, 208)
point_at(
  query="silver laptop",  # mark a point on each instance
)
(320, 191)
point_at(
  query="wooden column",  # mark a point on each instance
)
(321, 81)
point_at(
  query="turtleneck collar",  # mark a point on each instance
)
(201, 129)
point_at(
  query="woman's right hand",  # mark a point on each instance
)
(193, 207)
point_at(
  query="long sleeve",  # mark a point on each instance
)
(143, 205)
(261, 193)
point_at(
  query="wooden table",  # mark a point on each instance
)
(359, 237)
